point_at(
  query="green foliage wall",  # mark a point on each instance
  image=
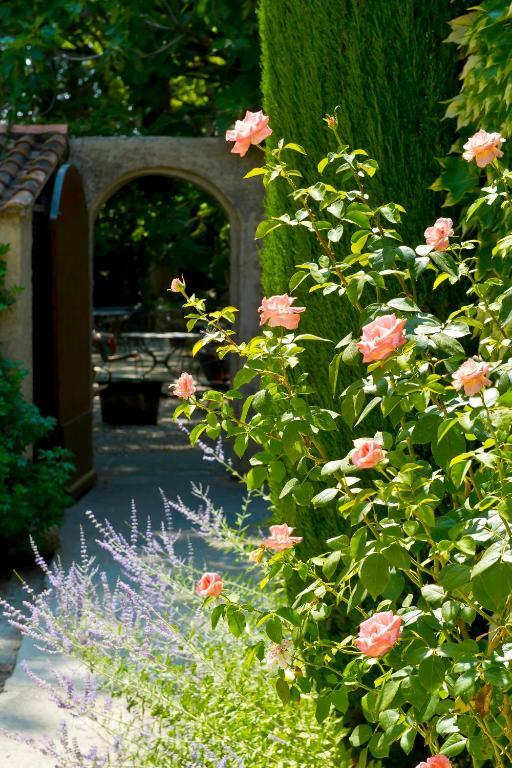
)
(385, 64)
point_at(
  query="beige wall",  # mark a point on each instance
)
(107, 164)
(16, 322)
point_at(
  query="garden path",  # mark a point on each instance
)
(132, 463)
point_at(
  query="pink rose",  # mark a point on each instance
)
(210, 585)
(367, 454)
(251, 130)
(381, 337)
(278, 311)
(437, 236)
(379, 633)
(280, 538)
(177, 285)
(483, 147)
(472, 375)
(438, 761)
(184, 387)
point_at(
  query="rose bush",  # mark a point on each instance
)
(422, 573)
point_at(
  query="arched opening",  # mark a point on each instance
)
(147, 230)
(151, 229)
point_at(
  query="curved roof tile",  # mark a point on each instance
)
(29, 154)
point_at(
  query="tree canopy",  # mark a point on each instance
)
(106, 67)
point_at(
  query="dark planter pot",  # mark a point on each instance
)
(215, 370)
(130, 402)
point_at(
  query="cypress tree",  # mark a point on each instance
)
(384, 63)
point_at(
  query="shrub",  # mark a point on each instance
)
(32, 488)
(421, 573)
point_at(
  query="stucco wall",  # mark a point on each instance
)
(16, 322)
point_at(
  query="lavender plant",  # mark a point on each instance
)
(160, 687)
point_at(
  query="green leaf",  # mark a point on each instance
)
(431, 673)
(388, 718)
(256, 477)
(336, 208)
(397, 556)
(447, 344)
(454, 745)
(374, 574)
(196, 433)
(370, 167)
(335, 235)
(240, 445)
(217, 612)
(339, 698)
(425, 428)
(274, 629)
(236, 620)
(255, 172)
(445, 263)
(265, 227)
(303, 493)
(450, 446)
(312, 337)
(324, 497)
(358, 543)
(351, 354)
(492, 587)
(323, 705)
(283, 690)
(433, 594)
(490, 557)
(297, 279)
(317, 191)
(295, 148)
(403, 305)
(378, 700)
(392, 212)
(333, 466)
(374, 402)
(288, 487)
(331, 563)
(244, 376)
(454, 576)
(352, 405)
(458, 177)
(360, 735)
(407, 740)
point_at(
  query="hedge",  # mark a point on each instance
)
(385, 64)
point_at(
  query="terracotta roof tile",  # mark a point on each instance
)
(29, 154)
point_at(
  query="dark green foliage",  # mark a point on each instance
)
(111, 67)
(384, 63)
(161, 227)
(108, 67)
(32, 488)
(484, 40)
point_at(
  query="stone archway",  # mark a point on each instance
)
(107, 164)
